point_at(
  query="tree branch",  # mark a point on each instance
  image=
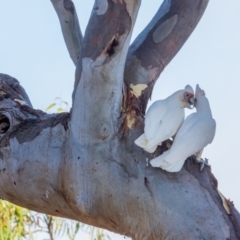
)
(79, 167)
(70, 27)
(158, 43)
(15, 89)
(29, 139)
(106, 43)
(44, 168)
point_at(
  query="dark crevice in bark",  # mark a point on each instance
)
(29, 129)
(111, 48)
(147, 185)
(4, 124)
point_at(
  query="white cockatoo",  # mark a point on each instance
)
(164, 118)
(196, 132)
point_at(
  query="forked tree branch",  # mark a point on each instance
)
(106, 185)
(70, 27)
(78, 167)
(158, 43)
(106, 43)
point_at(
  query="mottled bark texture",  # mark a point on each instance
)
(85, 165)
(158, 43)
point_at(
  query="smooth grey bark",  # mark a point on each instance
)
(72, 34)
(85, 165)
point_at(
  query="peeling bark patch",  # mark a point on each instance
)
(103, 28)
(131, 119)
(137, 89)
(101, 6)
(165, 29)
(137, 105)
(224, 202)
(159, 55)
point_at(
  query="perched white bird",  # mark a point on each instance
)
(164, 118)
(196, 132)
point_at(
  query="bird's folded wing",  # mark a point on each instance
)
(153, 119)
(187, 143)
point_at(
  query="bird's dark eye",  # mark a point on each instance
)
(186, 96)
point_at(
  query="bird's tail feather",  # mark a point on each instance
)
(159, 161)
(141, 141)
(167, 164)
(145, 144)
(173, 167)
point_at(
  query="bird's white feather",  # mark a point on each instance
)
(196, 132)
(162, 121)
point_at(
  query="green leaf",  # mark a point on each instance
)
(50, 106)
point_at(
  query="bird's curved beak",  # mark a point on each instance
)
(192, 102)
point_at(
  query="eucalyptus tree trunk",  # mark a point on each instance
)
(85, 165)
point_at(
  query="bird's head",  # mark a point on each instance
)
(187, 97)
(199, 92)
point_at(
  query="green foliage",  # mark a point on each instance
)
(98, 234)
(58, 106)
(19, 223)
(14, 221)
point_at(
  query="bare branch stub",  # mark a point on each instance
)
(17, 117)
(159, 42)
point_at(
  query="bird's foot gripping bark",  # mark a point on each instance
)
(168, 143)
(203, 162)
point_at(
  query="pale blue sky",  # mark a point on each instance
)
(33, 51)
